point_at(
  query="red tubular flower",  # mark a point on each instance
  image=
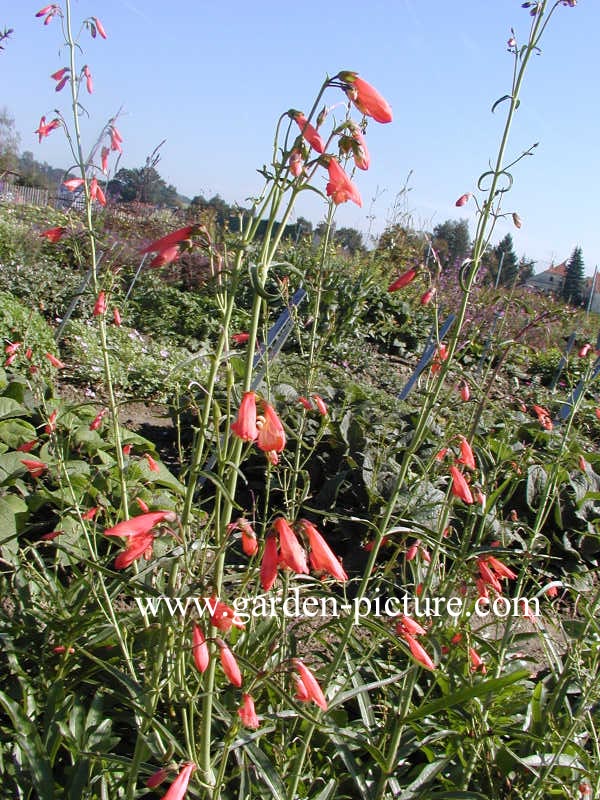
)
(292, 555)
(465, 391)
(230, 665)
(306, 403)
(487, 576)
(45, 129)
(268, 565)
(27, 447)
(249, 543)
(410, 626)
(340, 188)
(308, 132)
(460, 488)
(54, 234)
(463, 200)
(157, 778)
(100, 305)
(60, 74)
(544, 417)
(199, 649)
(51, 426)
(55, 361)
(224, 617)
(584, 350)
(320, 404)
(115, 139)
(357, 145)
(466, 454)
(271, 436)
(440, 356)
(142, 505)
(179, 786)
(240, 338)
(166, 256)
(247, 712)
(310, 684)
(476, 661)
(138, 546)
(35, 468)
(365, 97)
(48, 12)
(152, 464)
(245, 424)
(117, 317)
(301, 691)
(96, 192)
(73, 183)
(296, 163)
(418, 652)
(142, 524)
(176, 237)
(104, 158)
(99, 27)
(404, 279)
(500, 568)
(88, 79)
(97, 422)
(12, 348)
(322, 558)
(427, 297)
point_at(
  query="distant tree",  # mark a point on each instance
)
(526, 269)
(572, 290)
(503, 258)
(9, 142)
(350, 239)
(451, 241)
(142, 184)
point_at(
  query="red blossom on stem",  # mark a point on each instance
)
(56, 362)
(247, 712)
(271, 436)
(230, 665)
(54, 234)
(340, 188)
(34, 467)
(312, 690)
(365, 97)
(179, 786)
(463, 200)
(199, 649)
(404, 279)
(308, 132)
(88, 79)
(245, 424)
(45, 129)
(99, 27)
(321, 556)
(269, 563)
(460, 487)
(100, 305)
(292, 555)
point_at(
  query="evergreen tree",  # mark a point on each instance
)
(573, 286)
(504, 260)
(451, 241)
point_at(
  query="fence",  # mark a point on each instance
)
(23, 195)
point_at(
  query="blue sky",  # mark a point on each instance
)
(213, 77)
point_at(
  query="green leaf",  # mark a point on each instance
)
(28, 740)
(469, 693)
(11, 408)
(13, 515)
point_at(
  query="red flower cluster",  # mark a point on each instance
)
(137, 531)
(283, 549)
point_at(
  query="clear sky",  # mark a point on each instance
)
(213, 77)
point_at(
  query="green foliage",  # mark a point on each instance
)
(572, 290)
(142, 367)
